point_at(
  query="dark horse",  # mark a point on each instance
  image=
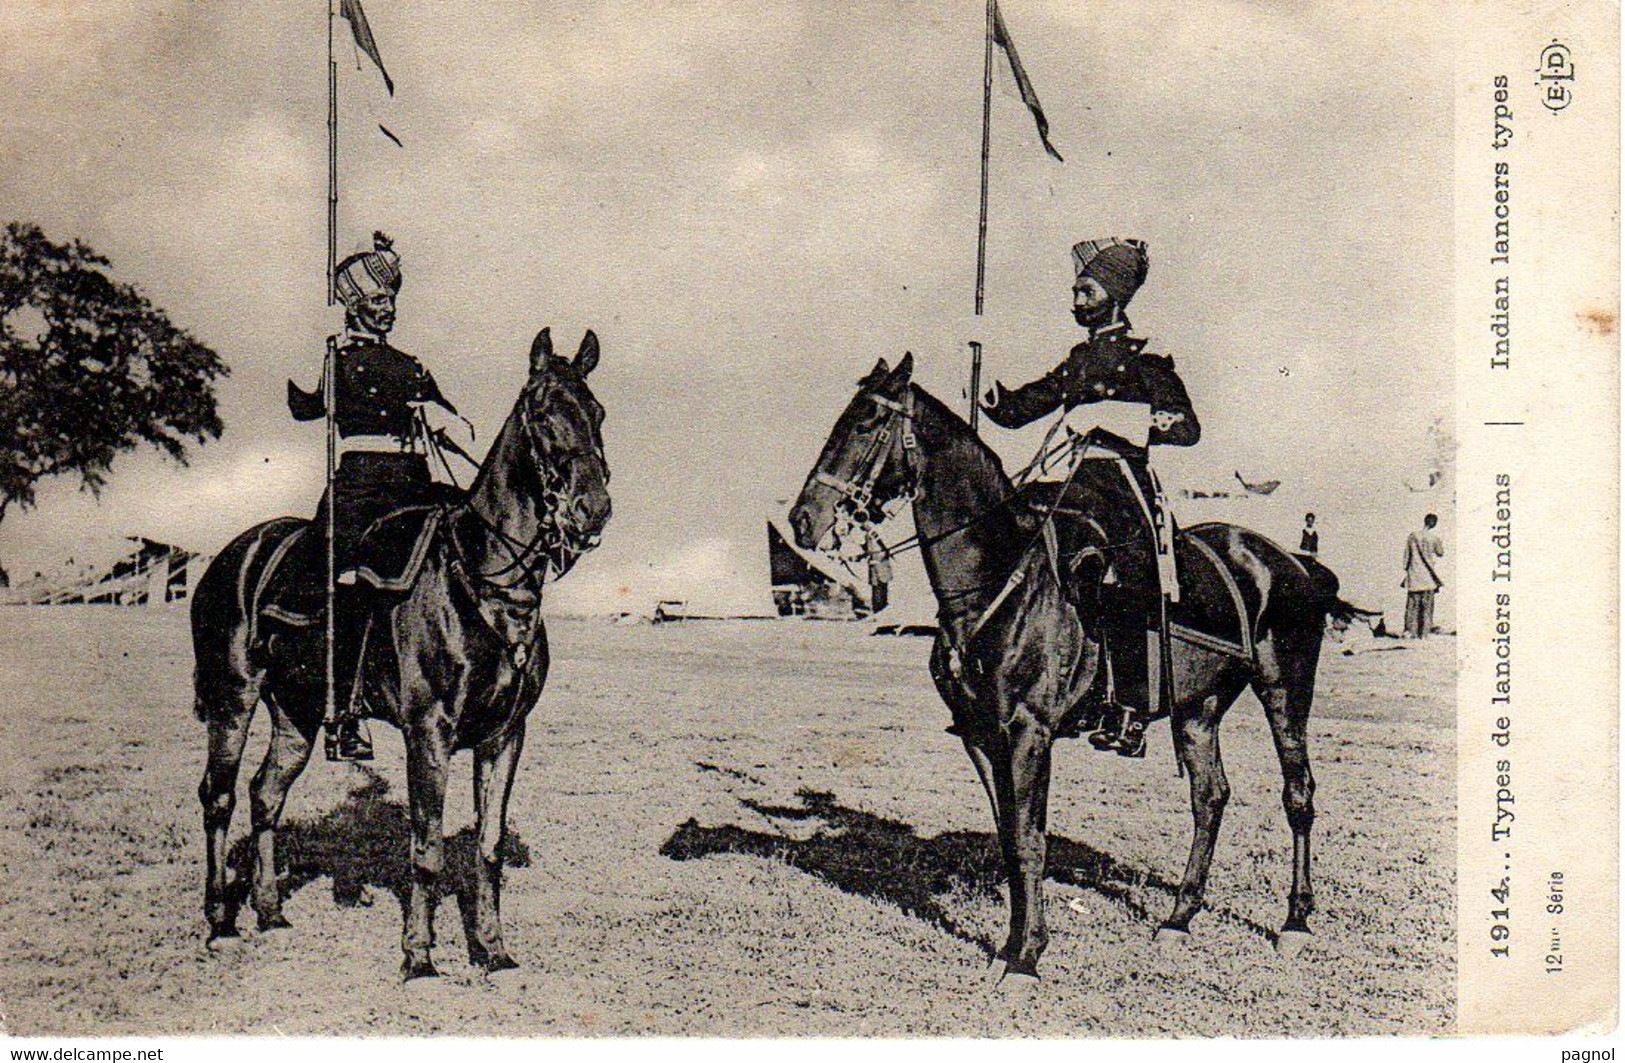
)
(456, 661)
(1015, 657)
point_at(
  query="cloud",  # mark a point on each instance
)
(749, 204)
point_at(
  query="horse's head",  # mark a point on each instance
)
(563, 423)
(867, 463)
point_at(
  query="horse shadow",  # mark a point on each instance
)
(364, 847)
(883, 859)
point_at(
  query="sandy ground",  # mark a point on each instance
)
(723, 828)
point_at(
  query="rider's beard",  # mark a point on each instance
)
(1092, 317)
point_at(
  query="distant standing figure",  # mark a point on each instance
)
(1422, 581)
(1309, 543)
(879, 571)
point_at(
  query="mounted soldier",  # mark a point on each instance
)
(381, 396)
(1119, 400)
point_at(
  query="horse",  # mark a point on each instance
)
(1016, 655)
(456, 661)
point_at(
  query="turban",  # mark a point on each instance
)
(369, 273)
(1119, 265)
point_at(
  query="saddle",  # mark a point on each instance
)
(1211, 608)
(388, 562)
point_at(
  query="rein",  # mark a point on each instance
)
(525, 558)
(861, 495)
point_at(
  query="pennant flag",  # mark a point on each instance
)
(351, 9)
(1001, 37)
(1266, 487)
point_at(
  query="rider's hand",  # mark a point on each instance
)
(438, 418)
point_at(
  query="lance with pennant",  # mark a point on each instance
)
(997, 35)
(330, 380)
(352, 12)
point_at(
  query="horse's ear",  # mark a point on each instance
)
(541, 350)
(875, 376)
(904, 370)
(587, 354)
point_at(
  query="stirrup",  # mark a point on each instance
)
(1131, 742)
(347, 740)
(1122, 731)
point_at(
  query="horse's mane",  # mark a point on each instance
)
(959, 431)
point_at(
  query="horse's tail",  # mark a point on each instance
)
(1326, 598)
(1349, 612)
(223, 618)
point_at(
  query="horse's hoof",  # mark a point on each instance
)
(1023, 970)
(224, 941)
(414, 970)
(502, 970)
(1018, 979)
(1171, 938)
(499, 963)
(1289, 943)
(274, 921)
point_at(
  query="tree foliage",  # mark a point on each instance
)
(89, 369)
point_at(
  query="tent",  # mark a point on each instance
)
(153, 573)
(806, 583)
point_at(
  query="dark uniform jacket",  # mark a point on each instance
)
(1112, 365)
(377, 385)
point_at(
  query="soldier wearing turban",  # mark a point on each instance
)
(1118, 400)
(381, 393)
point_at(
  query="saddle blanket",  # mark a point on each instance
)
(1213, 610)
(389, 560)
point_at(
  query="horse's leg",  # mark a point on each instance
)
(1196, 740)
(268, 794)
(494, 766)
(428, 754)
(1024, 798)
(984, 771)
(1287, 704)
(228, 732)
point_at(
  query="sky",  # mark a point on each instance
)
(750, 203)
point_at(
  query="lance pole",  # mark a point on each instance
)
(330, 379)
(981, 224)
(975, 382)
(332, 161)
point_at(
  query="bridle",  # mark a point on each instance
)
(550, 546)
(860, 494)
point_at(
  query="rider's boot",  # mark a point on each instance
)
(1122, 732)
(349, 739)
(1123, 725)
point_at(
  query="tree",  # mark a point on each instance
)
(89, 369)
